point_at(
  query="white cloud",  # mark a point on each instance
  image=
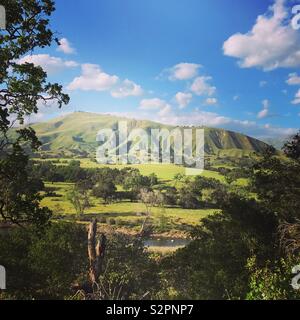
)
(201, 86)
(93, 79)
(211, 101)
(153, 104)
(236, 98)
(166, 111)
(65, 46)
(126, 89)
(48, 63)
(263, 114)
(181, 71)
(297, 98)
(263, 83)
(183, 99)
(265, 110)
(293, 79)
(161, 106)
(272, 43)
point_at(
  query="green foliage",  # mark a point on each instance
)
(19, 192)
(43, 265)
(248, 250)
(292, 147)
(105, 189)
(276, 182)
(215, 261)
(79, 198)
(273, 281)
(134, 182)
(130, 273)
(170, 196)
(22, 87)
(189, 197)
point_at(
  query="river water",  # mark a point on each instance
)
(166, 243)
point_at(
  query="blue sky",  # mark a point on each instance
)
(220, 63)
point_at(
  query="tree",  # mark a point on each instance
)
(292, 147)
(105, 190)
(79, 198)
(49, 262)
(178, 178)
(150, 199)
(189, 197)
(19, 192)
(276, 181)
(22, 87)
(170, 196)
(130, 273)
(134, 182)
(249, 248)
(213, 265)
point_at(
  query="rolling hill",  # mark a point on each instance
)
(75, 134)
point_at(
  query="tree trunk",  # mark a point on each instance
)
(96, 252)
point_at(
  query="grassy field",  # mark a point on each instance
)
(165, 172)
(128, 214)
(125, 214)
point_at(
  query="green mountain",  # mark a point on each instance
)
(75, 134)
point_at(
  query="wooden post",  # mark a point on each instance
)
(96, 252)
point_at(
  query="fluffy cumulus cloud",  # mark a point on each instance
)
(264, 113)
(297, 98)
(153, 104)
(181, 71)
(183, 99)
(211, 101)
(202, 87)
(272, 43)
(127, 89)
(65, 46)
(92, 78)
(162, 108)
(50, 64)
(293, 79)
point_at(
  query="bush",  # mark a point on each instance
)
(43, 266)
(112, 221)
(130, 271)
(102, 220)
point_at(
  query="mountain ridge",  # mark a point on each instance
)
(75, 134)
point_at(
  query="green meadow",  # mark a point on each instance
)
(127, 215)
